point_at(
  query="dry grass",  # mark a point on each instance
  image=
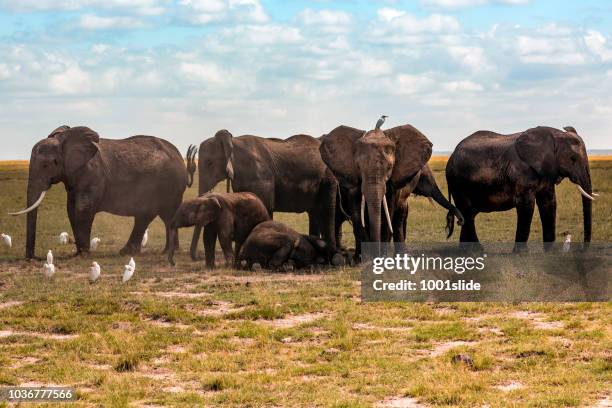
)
(186, 336)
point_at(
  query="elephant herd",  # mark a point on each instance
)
(364, 177)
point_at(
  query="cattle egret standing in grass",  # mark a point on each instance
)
(94, 243)
(568, 242)
(63, 238)
(7, 240)
(50, 257)
(94, 272)
(128, 272)
(145, 238)
(132, 263)
(49, 270)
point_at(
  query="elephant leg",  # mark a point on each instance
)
(281, 255)
(547, 206)
(210, 239)
(327, 212)
(193, 250)
(83, 221)
(524, 212)
(237, 247)
(400, 216)
(70, 207)
(134, 244)
(313, 226)
(225, 232)
(468, 229)
(339, 220)
(359, 230)
(167, 219)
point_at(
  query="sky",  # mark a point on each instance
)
(183, 69)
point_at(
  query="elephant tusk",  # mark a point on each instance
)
(33, 206)
(387, 214)
(595, 195)
(363, 211)
(584, 193)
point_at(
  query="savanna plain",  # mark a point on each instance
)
(187, 336)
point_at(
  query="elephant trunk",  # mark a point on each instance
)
(373, 194)
(172, 244)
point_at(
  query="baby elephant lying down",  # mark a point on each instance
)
(229, 216)
(272, 244)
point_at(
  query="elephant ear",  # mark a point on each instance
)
(337, 151)
(412, 152)
(225, 139)
(79, 145)
(58, 131)
(570, 129)
(536, 147)
(208, 211)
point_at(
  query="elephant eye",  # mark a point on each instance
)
(574, 158)
(55, 162)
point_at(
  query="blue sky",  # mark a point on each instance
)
(184, 69)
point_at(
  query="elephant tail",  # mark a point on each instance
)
(450, 217)
(191, 164)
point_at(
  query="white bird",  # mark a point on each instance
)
(145, 238)
(50, 257)
(568, 242)
(94, 243)
(8, 241)
(132, 263)
(63, 238)
(49, 270)
(94, 272)
(128, 272)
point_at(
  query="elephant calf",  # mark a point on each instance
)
(272, 244)
(230, 216)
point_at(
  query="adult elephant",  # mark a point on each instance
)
(287, 175)
(493, 172)
(141, 176)
(372, 167)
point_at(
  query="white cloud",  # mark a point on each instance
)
(374, 67)
(549, 50)
(208, 11)
(73, 80)
(5, 72)
(403, 22)
(598, 45)
(93, 22)
(469, 3)
(406, 84)
(458, 86)
(469, 56)
(144, 7)
(205, 72)
(263, 34)
(328, 20)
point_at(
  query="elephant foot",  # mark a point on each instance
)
(130, 250)
(520, 248)
(338, 260)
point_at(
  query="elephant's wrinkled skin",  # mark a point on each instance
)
(492, 172)
(287, 175)
(272, 244)
(230, 216)
(377, 165)
(141, 177)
